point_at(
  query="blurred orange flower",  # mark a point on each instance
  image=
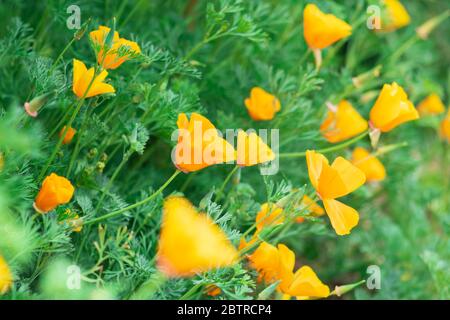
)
(190, 242)
(6, 277)
(82, 77)
(55, 191)
(121, 49)
(431, 105)
(199, 145)
(369, 164)
(69, 134)
(396, 14)
(251, 150)
(262, 105)
(213, 290)
(445, 127)
(335, 181)
(343, 123)
(392, 108)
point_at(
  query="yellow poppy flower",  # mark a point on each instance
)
(431, 105)
(121, 49)
(444, 129)
(6, 278)
(392, 108)
(343, 123)
(322, 30)
(369, 164)
(311, 206)
(262, 105)
(69, 134)
(55, 191)
(190, 242)
(199, 145)
(82, 77)
(266, 218)
(306, 285)
(397, 16)
(251, 150)
(335, 181)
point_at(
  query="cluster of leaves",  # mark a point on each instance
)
(205, 56)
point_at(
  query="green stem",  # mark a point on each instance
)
(191, 292)
(225, 182)
(61, 55)
(137, 204)
(325, 150)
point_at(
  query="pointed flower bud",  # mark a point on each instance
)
(426, 28)
(33, 107)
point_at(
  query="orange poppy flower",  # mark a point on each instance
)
(82, 77)
(311, 206)
(121, 49)
(69, 134)
(262, 105)
(445, 128)
(396, 16)
(251, 150)
(190, 242)
(392, 108)
(335, 181)
(343, 123)
(213, 290)
(55, 191)
(369, 164)
(431, 105)
(199, 145)
(6, 277)
(266, 218)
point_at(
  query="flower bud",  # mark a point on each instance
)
(425, 29)
(37, 103)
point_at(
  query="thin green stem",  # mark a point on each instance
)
(61, 55)
(225, 182)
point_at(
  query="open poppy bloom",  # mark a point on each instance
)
(311, 206)
(199, 145)
(6, 278)
(251, 150)
(262, 105)
(69, 134)
(332, 182)
(369, 164)
(269, 215)
(431, 105)
(322, 30)
(342, 123)
(445, 128)
(277, 264)
(396, 16)
(190, 242)
(55, 191)
(121, 49)
(82, 77)
(392, 108)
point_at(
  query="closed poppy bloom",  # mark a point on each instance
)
(190, 242)
(322, 30)
(343, 123)
(269, 215)
(262, 105)
(121, 49)
(82, 77)
(312, 207)
(199, 145)
(445, 128)
(6, 278)
(251, 150)
(431, 105)
(335, 181)
(55, 191)
(396, 16)
(69, 134)
(369, 164)
(392, 108)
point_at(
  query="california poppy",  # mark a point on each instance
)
(82, 77)
(310, 206)
(269, 215)
(342, 123)
(190, 242)
(69, 134)
(335, 181)
(431, 105)
(55, 191)
(121, 49)
(252, 150)
(369, 164)
(396, 16)
(6, 278)
(199, 145)
(262, 105)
